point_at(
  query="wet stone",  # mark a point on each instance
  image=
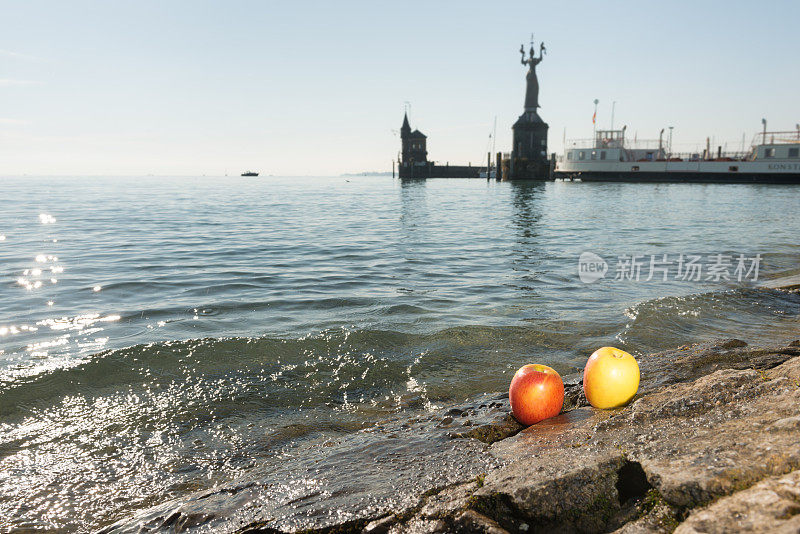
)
(380, 526)
(693, 437)
(708, 445)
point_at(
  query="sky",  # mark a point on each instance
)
(174, 87)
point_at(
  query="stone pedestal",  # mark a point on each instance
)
(529, 152)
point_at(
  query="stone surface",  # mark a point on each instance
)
(447, 501)
(501, 428)
(709, 444)
(693, 361)
(381, 525)
(772, 505)
(472, 521)
(789, 369)
(711, 421)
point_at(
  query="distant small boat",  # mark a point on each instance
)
(249, 173)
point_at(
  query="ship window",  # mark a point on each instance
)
(602, 154)
(769, 153)
(594, 154)
(581, 155)
(733, 168)
(635, 168)
(569, 155)
(794, 152)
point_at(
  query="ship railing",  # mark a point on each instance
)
(645, 144)
(634, 144)
(579, 143)
(769, 138)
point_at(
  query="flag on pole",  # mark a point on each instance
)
(594, 117)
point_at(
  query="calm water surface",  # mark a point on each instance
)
(299, 338)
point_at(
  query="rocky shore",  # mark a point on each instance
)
(710, 444)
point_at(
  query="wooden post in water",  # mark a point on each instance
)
(488, 165)
(392, 169)
(499, 167)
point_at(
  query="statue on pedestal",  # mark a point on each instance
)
(532, 91)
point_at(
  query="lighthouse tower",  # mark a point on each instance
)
(529, 152)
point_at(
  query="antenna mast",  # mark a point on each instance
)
(494, 134)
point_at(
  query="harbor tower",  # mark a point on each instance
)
(414, 158)
(413, 144)
(529, 151)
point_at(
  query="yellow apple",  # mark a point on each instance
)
(610, 378)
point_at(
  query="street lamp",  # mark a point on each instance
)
(613, 107)
(670, 140)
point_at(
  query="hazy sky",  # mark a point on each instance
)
(296, 87)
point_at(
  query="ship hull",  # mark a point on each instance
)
(682, 177)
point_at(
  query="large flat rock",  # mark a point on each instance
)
(709, 444)
(710, 423)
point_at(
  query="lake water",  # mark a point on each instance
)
(301, 337)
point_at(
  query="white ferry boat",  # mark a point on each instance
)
(773, 158)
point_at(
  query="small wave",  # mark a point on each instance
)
(368, 367)
(746, 313)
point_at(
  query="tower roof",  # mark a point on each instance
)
(405, 127)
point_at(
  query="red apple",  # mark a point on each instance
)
(536, 393)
